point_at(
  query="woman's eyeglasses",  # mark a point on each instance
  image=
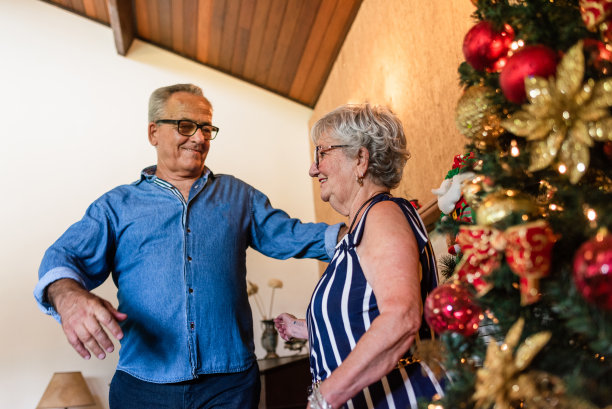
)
(326, 148)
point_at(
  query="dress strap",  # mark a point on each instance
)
(357, 234)
(412, 216)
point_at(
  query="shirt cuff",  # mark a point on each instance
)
(331, 239)
(49, 277)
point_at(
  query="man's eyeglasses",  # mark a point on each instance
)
(188, 128)
(322, 147)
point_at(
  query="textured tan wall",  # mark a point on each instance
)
(405, 53)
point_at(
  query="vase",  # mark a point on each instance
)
(269, 338)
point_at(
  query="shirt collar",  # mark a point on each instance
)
(148, 174)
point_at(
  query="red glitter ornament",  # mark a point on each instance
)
(450, 307)
(535, 60)
(486, 48)
(593, 270)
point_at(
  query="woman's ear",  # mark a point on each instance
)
(363, 160)
(152, 132)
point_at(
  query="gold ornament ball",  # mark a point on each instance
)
(477, 117)
(472, 190)
(498, 206)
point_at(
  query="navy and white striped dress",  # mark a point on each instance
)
(343, 307)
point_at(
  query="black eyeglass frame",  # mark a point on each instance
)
(325, 147)
(213, 129)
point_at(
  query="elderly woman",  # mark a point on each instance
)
(366, 310)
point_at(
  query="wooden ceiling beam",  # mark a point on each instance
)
(121, 16)
(285, 46)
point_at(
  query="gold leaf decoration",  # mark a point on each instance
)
(502, 380)
(431, 353)
(564, 116)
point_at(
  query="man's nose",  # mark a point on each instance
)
(313, 171)
(199, 136)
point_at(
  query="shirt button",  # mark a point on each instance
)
(189, 258)
(188, 230)
(190, 290)
(192, 325)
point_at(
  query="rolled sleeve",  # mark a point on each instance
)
(331, 239)
(50, 277)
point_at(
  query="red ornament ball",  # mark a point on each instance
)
(450, 307)
(593, 270)
(486, 48)
(535, 60)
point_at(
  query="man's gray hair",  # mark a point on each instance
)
(159, 97)
(373, 127)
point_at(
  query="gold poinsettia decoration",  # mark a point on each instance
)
(565, 115)
(502, 379)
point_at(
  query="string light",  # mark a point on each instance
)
(514, 149)
(562, 169)
(601, 233)
(516, 45)
(591, 214)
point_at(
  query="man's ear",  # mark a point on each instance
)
(152, 133)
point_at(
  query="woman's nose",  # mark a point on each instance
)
(313, 171)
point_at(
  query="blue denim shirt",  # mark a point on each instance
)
(180, 269)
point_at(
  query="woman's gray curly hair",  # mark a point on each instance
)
(373, 127)
(159, 97)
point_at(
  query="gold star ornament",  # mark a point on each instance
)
(503, 379)
(564, 116)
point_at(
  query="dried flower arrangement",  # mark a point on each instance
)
(253, 290)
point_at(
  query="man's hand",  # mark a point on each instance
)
(84, 316)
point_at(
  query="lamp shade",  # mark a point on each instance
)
(65, 390)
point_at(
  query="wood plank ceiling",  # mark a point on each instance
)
(285, 46)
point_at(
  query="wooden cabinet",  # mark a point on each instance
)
(284, 382)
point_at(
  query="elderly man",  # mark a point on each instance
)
(175, 242)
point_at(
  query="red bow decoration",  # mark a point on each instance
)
(460, 161)
(595, 12)
(527, 248)
(597, 15)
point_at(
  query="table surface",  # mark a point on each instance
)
(267, 364)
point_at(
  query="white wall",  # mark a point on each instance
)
(73, 125)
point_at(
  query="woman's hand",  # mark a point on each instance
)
(288, 326)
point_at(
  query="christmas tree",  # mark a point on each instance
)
(526, 318)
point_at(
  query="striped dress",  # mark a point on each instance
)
(343, 307)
